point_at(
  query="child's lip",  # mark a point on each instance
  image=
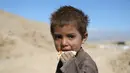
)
(66, 50)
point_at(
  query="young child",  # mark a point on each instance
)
(68, 29)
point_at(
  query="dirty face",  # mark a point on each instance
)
(67, 38)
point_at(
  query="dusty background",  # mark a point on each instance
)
(27, 47)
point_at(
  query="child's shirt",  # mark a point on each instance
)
(82, 63)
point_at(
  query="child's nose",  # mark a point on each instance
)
(64, 42)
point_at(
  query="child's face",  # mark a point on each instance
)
(67, 38)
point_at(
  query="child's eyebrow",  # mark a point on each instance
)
(56, 33)
(72, 33)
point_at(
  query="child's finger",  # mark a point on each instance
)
(71, 54)
(64, 57)
(66, 54)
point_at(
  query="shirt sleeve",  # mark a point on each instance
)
(87, 67)
(84, 67)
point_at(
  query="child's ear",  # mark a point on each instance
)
(85, 37)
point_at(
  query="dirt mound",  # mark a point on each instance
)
(32, 32)
(19, 36)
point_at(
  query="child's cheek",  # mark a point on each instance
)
(57, 45)
(76, 46)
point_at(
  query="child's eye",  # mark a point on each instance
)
(57, 37)
(70, 36)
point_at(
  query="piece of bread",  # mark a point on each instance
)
(61, 52)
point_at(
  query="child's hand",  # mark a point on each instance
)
(66, 56)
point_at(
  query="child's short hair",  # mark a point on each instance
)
(67, 15)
